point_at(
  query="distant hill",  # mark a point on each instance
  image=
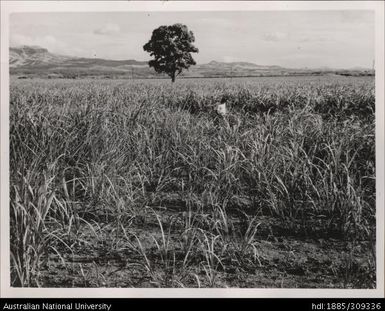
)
(29, 56)
(35, 61)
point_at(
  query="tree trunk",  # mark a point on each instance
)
(173, 77)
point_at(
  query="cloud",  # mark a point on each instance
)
(45, 41)
(314, 38)
(107, 29)
(275, 36)
(356, 17)
(230, 59)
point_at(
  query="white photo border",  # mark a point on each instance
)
(9, 7)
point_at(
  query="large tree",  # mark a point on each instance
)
(171, 47)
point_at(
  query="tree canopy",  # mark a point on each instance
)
(171, 47)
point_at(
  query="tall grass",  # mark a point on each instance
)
(95, 154)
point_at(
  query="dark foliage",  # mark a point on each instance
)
(171, 47)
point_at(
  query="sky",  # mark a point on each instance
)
(293, 39)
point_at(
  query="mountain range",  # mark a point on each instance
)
(32, 61)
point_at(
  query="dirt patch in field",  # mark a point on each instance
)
(142, 256)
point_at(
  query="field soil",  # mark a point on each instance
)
(281, 260)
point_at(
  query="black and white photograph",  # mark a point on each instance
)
(193, 145)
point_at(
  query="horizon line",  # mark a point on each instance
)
(323, 67)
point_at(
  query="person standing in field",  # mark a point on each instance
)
(220, 112)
